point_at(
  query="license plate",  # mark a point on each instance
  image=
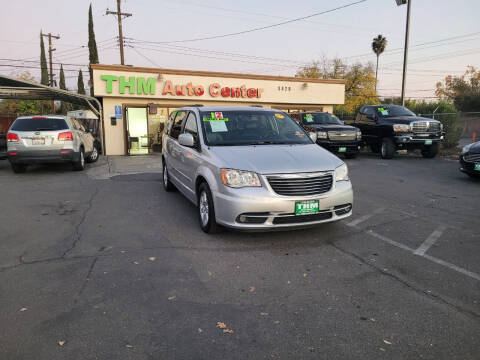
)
(38, 141)
(306, 207)
(342, 149)
(476, 167)
(428, 142)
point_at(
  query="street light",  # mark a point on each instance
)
(405, 52)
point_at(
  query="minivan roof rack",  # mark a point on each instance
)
(256, 105)
(196, 105)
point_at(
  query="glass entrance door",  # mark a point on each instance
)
(137, 130)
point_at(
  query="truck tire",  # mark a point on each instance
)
(388, 148)
(19, 168)
(430, 151)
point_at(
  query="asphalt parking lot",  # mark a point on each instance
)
(106, 265)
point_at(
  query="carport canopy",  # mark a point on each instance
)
(18, 89)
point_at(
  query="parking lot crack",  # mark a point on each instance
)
(405, 283)
(77, 235)
(87, 278)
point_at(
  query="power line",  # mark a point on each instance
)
(262, 27)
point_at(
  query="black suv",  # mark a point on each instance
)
(388, 128)
(332, 134)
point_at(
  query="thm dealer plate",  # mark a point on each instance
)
(342, 149)
(428, 142)
(307, 207)
(476, 167)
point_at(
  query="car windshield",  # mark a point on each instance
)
(39, 124)
(391, 111)
(230, 128)
(320, 119)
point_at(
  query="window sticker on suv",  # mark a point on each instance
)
(215, 116)
(382, 111)
(308, 118)
(279, 116)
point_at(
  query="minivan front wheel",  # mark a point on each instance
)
(167, 184)
(206, 211)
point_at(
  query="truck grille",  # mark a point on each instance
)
(425, 126)
(472, 157)
(342, 135)
(301, 184)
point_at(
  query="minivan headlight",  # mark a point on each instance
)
(239, 178)
(401, 127)
(341, 173)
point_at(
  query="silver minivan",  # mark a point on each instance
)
(252, 168)
(47, 139)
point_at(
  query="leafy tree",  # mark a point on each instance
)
(463, 91)
(43, 62)
(92, 46)
(61, 83)
(378, 46)
(80, 85)
(359, 81)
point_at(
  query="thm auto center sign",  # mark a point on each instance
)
(150, 86)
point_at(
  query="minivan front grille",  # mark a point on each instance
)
(301, 184)
(342, 135)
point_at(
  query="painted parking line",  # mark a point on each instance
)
(365, 217)
(432, 238)
(425, 256)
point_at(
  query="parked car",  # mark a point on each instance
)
(470, 160)
(3, 145)
(388, 128)
(332, 134)
(47, 139)
(252, 168)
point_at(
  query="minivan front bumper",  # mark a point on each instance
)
(261, 209)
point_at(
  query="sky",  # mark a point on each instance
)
(444, 37)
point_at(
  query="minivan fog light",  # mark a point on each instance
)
(238, 178)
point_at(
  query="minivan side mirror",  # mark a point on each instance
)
(186, 139)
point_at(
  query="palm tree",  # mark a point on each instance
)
(378, 46)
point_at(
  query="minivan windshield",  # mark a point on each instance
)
(320, 119)
(230, 128)
(394, 110)
(39, 124)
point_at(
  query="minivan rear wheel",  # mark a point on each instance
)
(206, 210)
(19, 168)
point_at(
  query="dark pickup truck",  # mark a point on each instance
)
(332, 134)
(388, 128)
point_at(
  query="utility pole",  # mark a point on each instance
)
(50, 53)
(120, 32)
(405, 53)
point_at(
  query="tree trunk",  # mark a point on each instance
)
(376, 74)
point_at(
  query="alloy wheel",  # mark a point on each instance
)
(203, 208)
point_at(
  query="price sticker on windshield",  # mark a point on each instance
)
(382, 111)
(279, 116)
(215, 116)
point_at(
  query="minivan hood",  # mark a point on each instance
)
(275, 159)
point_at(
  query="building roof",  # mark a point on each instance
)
(211, 74)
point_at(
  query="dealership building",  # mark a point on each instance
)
(137, 101)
